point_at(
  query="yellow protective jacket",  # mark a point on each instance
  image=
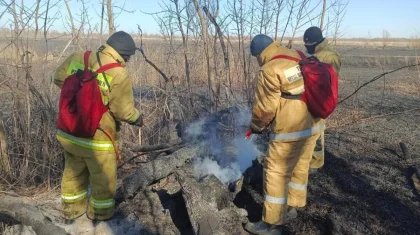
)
(119, 97)
(288, 118)
(326, 55)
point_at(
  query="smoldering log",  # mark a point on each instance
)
(209, 205)
(28, 215)
(150, 172)
(200, 211)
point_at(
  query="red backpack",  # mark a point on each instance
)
(81, 106)
(321, 84)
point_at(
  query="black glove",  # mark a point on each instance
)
(139, 122)
(255, 130)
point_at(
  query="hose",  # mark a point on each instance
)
(117, 152)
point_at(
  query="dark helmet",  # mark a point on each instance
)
(313, 34)
(259, 43)
(123, 43)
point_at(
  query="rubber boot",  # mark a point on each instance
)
(262, 228)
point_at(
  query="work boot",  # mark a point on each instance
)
(68, 221)
(313, 170)
(263, 228)
(291, 213)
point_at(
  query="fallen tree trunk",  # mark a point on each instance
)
(201, 212)
(148, 148)
(150, 172)
(209, 205)
(154, 154)
(28, 215)
(167, 151)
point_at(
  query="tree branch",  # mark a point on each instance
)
(147, 60)
(373, 80)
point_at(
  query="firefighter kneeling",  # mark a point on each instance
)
(294, 131)
(92, 107)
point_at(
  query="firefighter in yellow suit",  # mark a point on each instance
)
(317, 46)
(294, 132)
(94, 161)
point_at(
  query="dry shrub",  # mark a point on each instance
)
(29, 121)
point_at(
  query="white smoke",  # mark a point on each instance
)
(195, 129)
(246, 152)
(226, 158)
(207, 166)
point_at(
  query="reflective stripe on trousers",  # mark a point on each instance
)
(298, 186)
(283, 200)
(104, 145)
(276, 200)
(102, 204)
(299, 134)
(74, 197)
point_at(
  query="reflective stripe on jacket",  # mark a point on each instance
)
(103, 145)
(298, 135)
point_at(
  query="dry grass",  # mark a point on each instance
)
(344, 117)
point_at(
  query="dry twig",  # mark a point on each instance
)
(147, 60)
(375, 79)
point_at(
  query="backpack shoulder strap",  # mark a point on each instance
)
(302, 55)
(107, 67)
(104, 68)
(86, 59)
(286, 57)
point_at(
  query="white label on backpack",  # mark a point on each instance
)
(293, 74)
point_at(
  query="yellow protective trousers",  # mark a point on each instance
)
(99, 168)
(317, 160)
(286, 177)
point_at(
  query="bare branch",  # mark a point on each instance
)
(7, 8)
(375, 79)
(147, 60)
